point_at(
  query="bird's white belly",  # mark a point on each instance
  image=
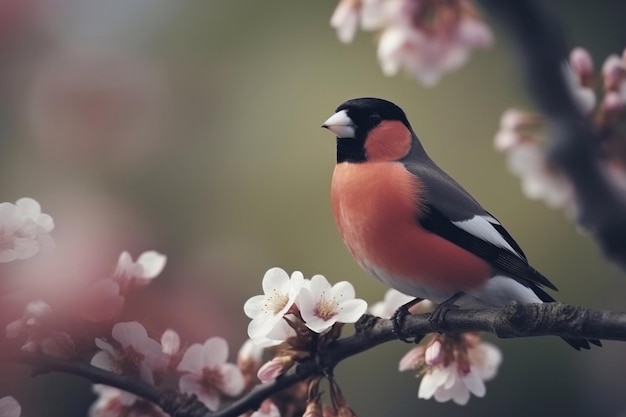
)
(497, 292)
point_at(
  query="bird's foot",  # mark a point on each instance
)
(438, 315)
(398, 319)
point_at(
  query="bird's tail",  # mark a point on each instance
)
(577, 344)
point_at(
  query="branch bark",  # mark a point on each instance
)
(514, 320)
(573, 148)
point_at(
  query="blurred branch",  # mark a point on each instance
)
(573, 148)
(43, 364)
(514, 320)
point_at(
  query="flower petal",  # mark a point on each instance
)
(350, 311)
(214, 352)
(192, 360)
(152, 263)
(232, 380)
(275, 279)
(9, 407)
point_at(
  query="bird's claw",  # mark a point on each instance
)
(398, 318)
(438, 315)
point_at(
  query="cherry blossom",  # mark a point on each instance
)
(102, 301)
(24, 230)
(453, 367)
(208, 375)
(345, 19)
(40, 336)
(138, 354)
(249, 355)
(113, 402)
(170, 342)
(425, 38)
(147, 267)
(9, 407)
(267, 409)
(520, 138)
(393, 300)
(34, 313)
(268, 310)
(323, 305)
(271, 370)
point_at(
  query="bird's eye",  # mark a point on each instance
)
(375, 118)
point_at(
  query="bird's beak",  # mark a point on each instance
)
(340, 124)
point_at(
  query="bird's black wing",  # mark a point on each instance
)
(452, 213)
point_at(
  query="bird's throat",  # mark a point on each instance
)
(350, 150)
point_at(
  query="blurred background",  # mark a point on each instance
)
(193, 128)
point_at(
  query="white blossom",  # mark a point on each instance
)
(322, 305)
(393, 300)
(147, 267)
(453, 367)
(24, 230)
(268, 310)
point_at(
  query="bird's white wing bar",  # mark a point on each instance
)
(341, 125)
(482, 228)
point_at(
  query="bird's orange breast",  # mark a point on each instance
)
(376, 207)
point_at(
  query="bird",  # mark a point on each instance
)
(413, 227)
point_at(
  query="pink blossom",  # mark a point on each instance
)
(271, 370)
(147, 267)
(432, 44)
(267, 409)
(323, 305)
(413, 359)
(208, 375)
(582, 64)
(345, 19)
(614, 73)
(113, 402)
(138, 354)
(40, 335)
(425, 39)
(519, 138)
(170, 342)
(453, 367)
(35, 314)
(9, 407)
(102, 301)
(451, 382)
(24, 230)
(249, 355)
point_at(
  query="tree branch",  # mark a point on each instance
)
(514, 320)
(574, 145)
(43, 364)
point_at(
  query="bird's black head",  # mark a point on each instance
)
(370, 129)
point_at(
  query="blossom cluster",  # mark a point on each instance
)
(307, 314)
(426, 38)
(286, 299)
(522, 133)
(451, 367)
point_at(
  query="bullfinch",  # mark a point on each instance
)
(414, 228)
